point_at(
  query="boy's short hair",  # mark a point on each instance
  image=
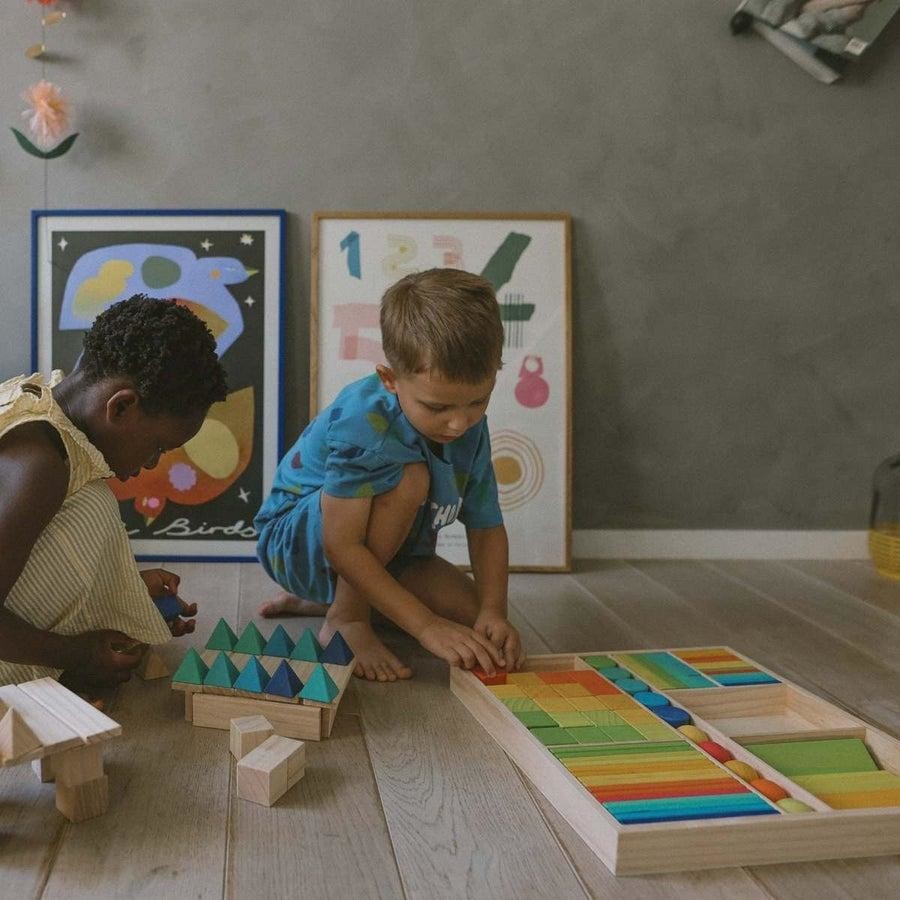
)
(442, 320)
(167, 352)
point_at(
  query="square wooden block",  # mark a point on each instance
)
(247, 733)
(269, 771)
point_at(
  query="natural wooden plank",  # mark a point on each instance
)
(53, 734)
(327, 837)
(738, 615)
(869, 629)
(852, 878)
(461, 822)
(858, 578)
(86, 721)
(165, 830)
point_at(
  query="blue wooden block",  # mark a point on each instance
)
(650, 699)
(253, 677)
(284, 683)
(280, 644)
(674, 715)
(338, 651)
(168, 606)
(631, 685)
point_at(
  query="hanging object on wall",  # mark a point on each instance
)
(48, 119)
(821, 36)
(48, 112)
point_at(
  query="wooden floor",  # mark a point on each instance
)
(409, 797)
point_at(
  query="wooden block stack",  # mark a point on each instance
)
(268, 771)
(62, 735)
(296, 686)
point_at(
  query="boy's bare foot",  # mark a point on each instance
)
(290, 605)
(373, 660)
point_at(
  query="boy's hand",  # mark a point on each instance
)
(105, 657)
(503, 635)
(159, 583)
(460, 646)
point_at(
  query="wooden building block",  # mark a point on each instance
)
(43, 768)
(268, 772)
(247, 733)
(288, 719)
(83, 801)
(86, 721)
(153, 666)
(17, 740)
(53, 734)
(78, 765)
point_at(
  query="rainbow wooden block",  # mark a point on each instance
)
(296, 686)
(692, 758)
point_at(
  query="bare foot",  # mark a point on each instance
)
(373, 660)
(290, 605)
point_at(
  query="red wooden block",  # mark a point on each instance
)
(716, 751)
(484, 678)
(688, 789)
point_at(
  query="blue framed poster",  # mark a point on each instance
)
(226, 266)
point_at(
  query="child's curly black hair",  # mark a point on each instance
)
(167, 352)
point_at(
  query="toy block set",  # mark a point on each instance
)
(62, 735)
(296, 686)
(268, 765)
(692, 758)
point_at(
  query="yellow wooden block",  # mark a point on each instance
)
(572, 690)
(504, 691)
(742, 769)
(554, 704)
(861, 799)
(523, 678)
(588, 704)
(620, 701)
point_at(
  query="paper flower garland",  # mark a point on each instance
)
(48, 118)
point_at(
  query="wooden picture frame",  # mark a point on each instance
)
(227, 266)
(357, 255)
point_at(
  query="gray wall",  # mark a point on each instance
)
(736, 223)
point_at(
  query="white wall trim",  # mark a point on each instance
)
(725, 544)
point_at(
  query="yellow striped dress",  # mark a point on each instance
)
(81, 574)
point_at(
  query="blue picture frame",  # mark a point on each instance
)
(228, 266)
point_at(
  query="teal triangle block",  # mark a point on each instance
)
(222, 638)
(284, 683)
(280, 644)
(192, 669)
(222, 673)
(307, 648)
(250, 641)
(253, 678)
(319, 687)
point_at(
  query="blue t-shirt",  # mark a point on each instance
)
(357, 447)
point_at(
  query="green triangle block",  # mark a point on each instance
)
(308, 648)
(253, 678)
(222, 638)
(192, 669)
(222, 673)
(319, 686)
(250, 641)
(280, 644)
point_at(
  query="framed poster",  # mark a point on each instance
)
(356, 256)
(226, 266)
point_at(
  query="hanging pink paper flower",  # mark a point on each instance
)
(48, 117)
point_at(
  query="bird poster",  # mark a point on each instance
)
(526, 258)
(227, 268)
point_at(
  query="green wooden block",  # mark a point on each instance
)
(192, 669)
(569, 719)
(816, 757)
(622, 733)
(604, 717)
(551, 737)
(250, 641)
(520, 704)
(535, 719)
(319, 687)
(589, 734)
(222, 673)
(222, 637)
(599, 661)
(307, 648)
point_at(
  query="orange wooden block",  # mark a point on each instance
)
(769, 789)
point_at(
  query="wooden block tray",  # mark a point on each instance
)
(597, 734)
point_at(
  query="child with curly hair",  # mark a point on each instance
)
(71, 596)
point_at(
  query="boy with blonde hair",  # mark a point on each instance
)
(352, 520)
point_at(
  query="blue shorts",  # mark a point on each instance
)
(291, 549)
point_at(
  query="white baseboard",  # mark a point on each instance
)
(725, 544)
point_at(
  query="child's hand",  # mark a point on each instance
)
(105, 657)
(503, 635)
(460, 646)
(159, 583)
